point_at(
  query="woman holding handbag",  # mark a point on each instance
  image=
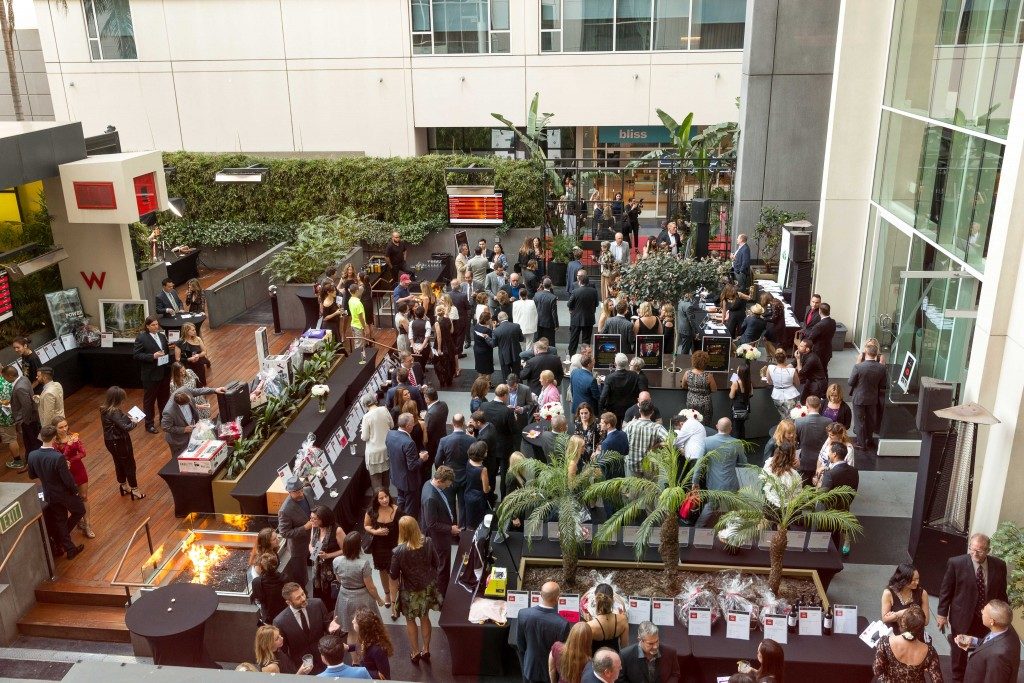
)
(381, 525)
(415, 566)
(324, 545)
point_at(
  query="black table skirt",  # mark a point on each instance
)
(114, 366)
(67, 369)
(191, 491)
(174, 322)
(176, 636)
(184, 268)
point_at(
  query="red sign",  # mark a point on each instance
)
(477, 209)
(91, 279)
(6, 306)
(145, 193)
(99, 196)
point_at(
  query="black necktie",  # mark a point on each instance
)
(302, 621)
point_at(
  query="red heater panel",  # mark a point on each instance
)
(95, 196)
(476, 209)
(145, 193)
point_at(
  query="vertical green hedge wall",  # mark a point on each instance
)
(392, 189)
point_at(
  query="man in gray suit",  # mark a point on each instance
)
(811, 434)
(294, 526)
(721, 474)
(495, 280)
(868, 382)
(478, 267)
(180, 416)
(995, 656)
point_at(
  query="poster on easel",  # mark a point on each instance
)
(606, 347)
(907, 372)
(650, 348)
(719, 350)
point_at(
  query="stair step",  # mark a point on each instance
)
(72, 593)
(78, 622)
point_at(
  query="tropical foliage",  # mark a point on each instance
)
(533, 138)
(768, 232)
(1008, 544)
(28, 294)
(664, 277)
(318, 244)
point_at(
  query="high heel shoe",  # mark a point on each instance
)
(86, 529)
(123, 490)
(425, 656)
(136, 495)
(415, 658)
(394, 611)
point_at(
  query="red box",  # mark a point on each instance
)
(204, 459)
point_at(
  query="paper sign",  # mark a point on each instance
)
(333, 450)
(330, 479)
(817, 541)
(699, 621)
(553, 531)
(534, 530)
(514, 602)
(845, 619)
(587, 530)
(795, 540)
(534, 598)
(764, 540)
(663, 611)
(43, 352)
(163, 360)
(342, 439)
(638, 609)
(775, 628)
(322, 461)
(136, 414)
(684, 536)
(69, 341)
(703, 538)
(173, 336)
(875, 631)
(318, 489)
(106, 340)
(809, 621)
(737, 625)
(569, 607)
(629, 534)
(285, 472)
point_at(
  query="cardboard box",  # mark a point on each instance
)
(204, 459)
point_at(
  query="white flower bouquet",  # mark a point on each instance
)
(320, 392)
(798, 411)
(748, 352)
(550, 410)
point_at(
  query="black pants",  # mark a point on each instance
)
(444, 553)
(574, 337)
(61, 519)
(865, 422)
(409, 503)
(30, 437)
(124, 462)
(546, 333)
(508, 368)
(154, 397)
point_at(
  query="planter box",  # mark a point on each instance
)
(223, 503)
(290, 306)
(232, 256)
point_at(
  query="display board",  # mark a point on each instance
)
(66, 310)
(606, 346)
(477, 209)
(907, 372)
(650, 348)
(719, 350)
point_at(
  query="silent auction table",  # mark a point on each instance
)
(175, 322)
(184, 268)
(111, 366)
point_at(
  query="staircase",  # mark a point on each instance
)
(71, 610)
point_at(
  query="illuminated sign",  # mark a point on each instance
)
(477, 209)
(6, 305)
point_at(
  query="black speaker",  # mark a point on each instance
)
(800, 275)
(934, 548)
(934, 395)
(799, 246)
(234, 402)
(700, 209)
(702, 248)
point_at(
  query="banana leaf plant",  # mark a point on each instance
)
(533, 139)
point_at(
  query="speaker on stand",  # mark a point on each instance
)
(700, 211)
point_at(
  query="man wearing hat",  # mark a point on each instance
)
(293, 525)
(401, 292)
(754, 326)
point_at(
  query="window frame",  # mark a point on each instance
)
(491, 32)
(89, 9)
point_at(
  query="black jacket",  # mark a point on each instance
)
(868, 382)
(145, 347)
(840, 474)
(538, 629)
(508, 339)
(752, 329)
(582, 307)
(460, 302)
(296, 642)
(502, 420)
(634, 667)
(811, 434)
(623, 327)
(533, 367)
(547, 309)
(51, 469)
(820, 337)
(453, 450)
(620, 391)
(958, 596)
(437, 426)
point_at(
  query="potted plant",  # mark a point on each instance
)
(664, 277)
(562, 246)
(768, 234)
(1008, 543)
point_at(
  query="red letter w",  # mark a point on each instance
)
(91, 279)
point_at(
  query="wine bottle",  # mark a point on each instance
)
(794, 611)
(827, 623)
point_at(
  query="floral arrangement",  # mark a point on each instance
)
(798, 411)
(691, 414)
(307, 460)
(550, 410)
(230, 432)
(748, 352)
(320, 392)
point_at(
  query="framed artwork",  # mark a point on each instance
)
(124, 318)
(65, 310)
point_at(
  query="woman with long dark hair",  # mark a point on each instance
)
(266, 588)
(70, 446)
(740, 391)
(267, 541)
(324, 545)
(483, 344)
(330, 310)
(420, 334)
(195, 300)
(117, 426)
(771, 662)
(381, 522)
(904, 590)
(374, 644)
(609, 628)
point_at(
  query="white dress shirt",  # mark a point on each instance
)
(690, 438)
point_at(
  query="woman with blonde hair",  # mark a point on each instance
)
(837, 409)
(607, 312)
(191, 350)
(781, 478)
(548, 389)
(646, 322)
(785, 433)
(668, 324)
(271, 657)
(415, 566)
(607, 262)
(419, 427)
(836, 434)
(567, 660)
(195, 300)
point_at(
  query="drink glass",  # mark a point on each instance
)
(743, 666)
(307, 662)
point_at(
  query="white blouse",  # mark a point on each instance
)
(782, 383)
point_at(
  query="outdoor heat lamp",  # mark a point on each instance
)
(249, 174)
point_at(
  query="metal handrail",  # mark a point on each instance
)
(46, 544)
(127, 585)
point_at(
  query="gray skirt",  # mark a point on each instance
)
(350, 600)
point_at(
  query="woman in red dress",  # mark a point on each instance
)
(72, 449)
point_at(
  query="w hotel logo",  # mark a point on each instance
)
(93, 279)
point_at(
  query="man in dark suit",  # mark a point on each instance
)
(584, 386)
(547, 312)
(63, 500)
(868, 382)
(996, 656)
(453, 452)
(811, 371)
(605, 667)
(621, 389)
(538, 629)
(487, 253)
(621, 325)
(180, 416)
(647, 660)
(839, 473)
(522, 405)
(460, 300)
(437, 423)
(970, 582)
(293, 525)
(811, 434)
(820, 336)
(167, 303)
(414, 371)
(529, 277)
(486, 434)
(402, 375)
(504, 423)
(811, 315)
(508, 338)
(582, 305)
(438, 521)
(741, 263)
(24, 413)
(549, 438)
(154, 353)
(406, 465)
(543, 359)
(302, 623)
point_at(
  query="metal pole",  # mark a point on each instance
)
(273, 307)
(46, 550)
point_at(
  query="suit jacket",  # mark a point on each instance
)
(582, 305)
(489, 435)
(752, 329)
(163, 300)
(453, 450)
(721, 473)
(173, 422)
(547, 309)
(493, 283)
(54, 475)
(405, 460)
(524, 400)
(584, 389)
(840, 474)
(634, 665)
(416, 371)
(436, 520)
(810, 435)
(23, 405)
(530, 280)
(478, 266)
(437, 426)
(620, 391)
(538, 629)
(868, 381)
(958, 596)
(414, 393)
(996, 660)
(291, 520)
(588, 674)
(815, 319)
(813, 369)
(145, 347)
(622, 326)
(536, 365)
(508, 339)
(741, 262)
(51, 403)
(820, 337)
(503, 421)
(296, 642)
(461, 303)
(571, 270)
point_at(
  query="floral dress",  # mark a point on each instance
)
(416, 572)
(888, 669)
(698, 395)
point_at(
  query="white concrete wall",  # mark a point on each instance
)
(857, 88)
(338, 75)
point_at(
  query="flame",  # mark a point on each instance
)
(240, 522)
(203, 558)
(156, 556)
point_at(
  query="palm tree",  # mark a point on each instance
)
(7, 31)
(554, 489)
(534, 136)
(748, 514)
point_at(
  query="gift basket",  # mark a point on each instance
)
(697, 592)
(307, 460)
(736, 593)
(202, 431)
(86, 334)
(230, 432)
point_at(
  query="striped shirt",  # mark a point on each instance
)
(642, 434)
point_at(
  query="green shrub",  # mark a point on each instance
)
(28, 295)
(221, 233)
(665, 278)
(318, 244)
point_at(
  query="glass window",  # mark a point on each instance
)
(633, 25)
(672, 24)
(955, 61)
(460, 26)
(718, 24)
(109, 28)
(550, 14)
(587, 25)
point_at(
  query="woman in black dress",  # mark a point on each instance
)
(646, 322)
(324, 545)
(118, 440)
(366, 297)
(195, 300)
(420, 334)
(191, 350)
(330, 311)
(381, 522)
(526, 254)
(903, 591)
(483, 345)
(733, 305)
(588, 428)
(444, 343)
(266, 588)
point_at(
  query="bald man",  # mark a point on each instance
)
(538, 629)
(633, 412)
(995, 656)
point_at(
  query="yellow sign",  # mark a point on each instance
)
(10, 517)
